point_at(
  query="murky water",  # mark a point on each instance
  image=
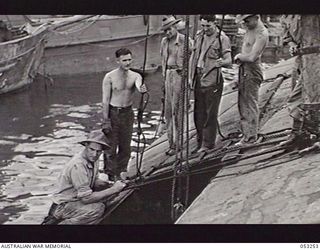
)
(39, 131)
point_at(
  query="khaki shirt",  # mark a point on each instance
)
(207, 40)
(178, 51)
(211, 54)
(76, 180)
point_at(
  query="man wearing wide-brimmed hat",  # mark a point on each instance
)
(76, 201)
(241, 18)
(172, 54)
(250, 75)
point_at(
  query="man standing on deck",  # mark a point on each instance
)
(289, 23)
(76, 201)
(250, 75)
(172, 54)
(118, 88)
(212, 50)
(305, 33)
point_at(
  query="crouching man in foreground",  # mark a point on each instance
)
(76, 201)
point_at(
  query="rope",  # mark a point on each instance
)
(23, 53)
(177, 201)
(29, 20)
(217, 153)
(217, 167)
(218, 75)
(173, 190)
(161, 120)
(79, 27)
(187, 94)
(262, 166)
(142, 107)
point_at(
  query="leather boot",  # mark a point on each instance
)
(295, 136)
(312, 119)
(311, 127)
(51, 219)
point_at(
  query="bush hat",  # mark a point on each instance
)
(240, 18)
(97, 136)
(168, 21)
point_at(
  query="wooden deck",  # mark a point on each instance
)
(156, 164)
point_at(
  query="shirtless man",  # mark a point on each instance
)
(250, 75)
(118, 88)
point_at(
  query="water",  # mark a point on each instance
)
(39, 131)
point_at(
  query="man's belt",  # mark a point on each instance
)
(120, 109)
(173, 67)
(311, 106)
(307, 51)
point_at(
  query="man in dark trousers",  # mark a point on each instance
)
(118, 88)
(211, 51)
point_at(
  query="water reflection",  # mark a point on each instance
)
(39, 131)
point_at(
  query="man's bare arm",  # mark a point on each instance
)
(162, 59)
(192, 55)
(138, 83)
(257, 49)
(106, 96)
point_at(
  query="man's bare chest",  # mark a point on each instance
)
(249, 41)
(172, 48)
(122, 83)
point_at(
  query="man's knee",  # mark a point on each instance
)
(97, 209)
(87, 214)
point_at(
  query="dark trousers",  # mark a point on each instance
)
(117, 158)
(206, 108)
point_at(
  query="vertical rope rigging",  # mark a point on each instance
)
(218, 75)
(142, 105)
(181, 179)
(187, 99)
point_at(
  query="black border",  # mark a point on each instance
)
(162, 233)
(158, 6)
